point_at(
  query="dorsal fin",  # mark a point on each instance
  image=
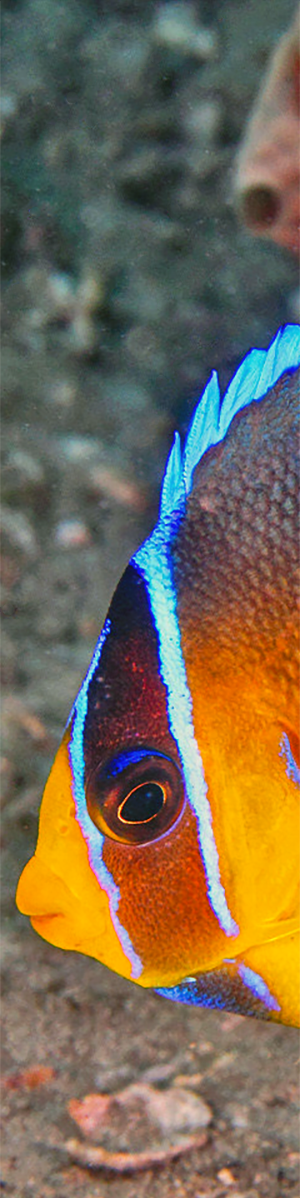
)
(259, 371)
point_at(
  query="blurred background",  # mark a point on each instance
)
(127, 276)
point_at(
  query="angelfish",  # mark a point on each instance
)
(168, 842)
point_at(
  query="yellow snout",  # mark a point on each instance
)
(58, 889)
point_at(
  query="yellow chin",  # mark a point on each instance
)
(58, 889)
(60, 917)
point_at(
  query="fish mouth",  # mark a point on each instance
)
(34, 895)
(55, 911)
(57, 929)
(71, 919)
(39, 921)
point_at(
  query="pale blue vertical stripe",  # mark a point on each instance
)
(152, 562)
(92, 836)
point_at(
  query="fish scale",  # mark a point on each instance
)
(221, 529)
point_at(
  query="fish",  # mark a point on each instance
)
(168, 844)
(267, 174)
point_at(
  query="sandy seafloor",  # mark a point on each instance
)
(126, 277)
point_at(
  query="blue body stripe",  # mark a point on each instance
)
(152, 562)
(258, 987)
(92, 836)
(292, 769)
(260, 370)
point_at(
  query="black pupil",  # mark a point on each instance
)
(143, 803)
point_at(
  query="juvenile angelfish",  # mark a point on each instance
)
(168, 842)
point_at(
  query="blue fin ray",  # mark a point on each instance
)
(204, 430)
(172, 491)
(259, 371)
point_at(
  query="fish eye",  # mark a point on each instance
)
(136, 797)
(144, 803)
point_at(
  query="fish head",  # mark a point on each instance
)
(134, 859)
(118, 872)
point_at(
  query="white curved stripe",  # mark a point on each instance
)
(258, 987)
(92, 836)
(152, 562)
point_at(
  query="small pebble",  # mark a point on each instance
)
(156, 1074)
(62, 393)
(71, 534)
(225, 1061)
(90, 292)
(61, 292)
(16, 712)
(294, 305)
(142, 175)
(8, 105)
(229, 1022)
(83, 334)
(6, 779)
(8, 109)
(18, 531)
(26, 465)
(205, 1047)
(78, 449)
(176, 28)
(30, 1079)
(22, 477)
(107, 482)
(239, 1116)
(192, 1080)
(202, 121)
(226, 1177)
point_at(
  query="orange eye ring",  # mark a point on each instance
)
(156, 798)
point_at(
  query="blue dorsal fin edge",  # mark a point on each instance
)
(260, 370)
